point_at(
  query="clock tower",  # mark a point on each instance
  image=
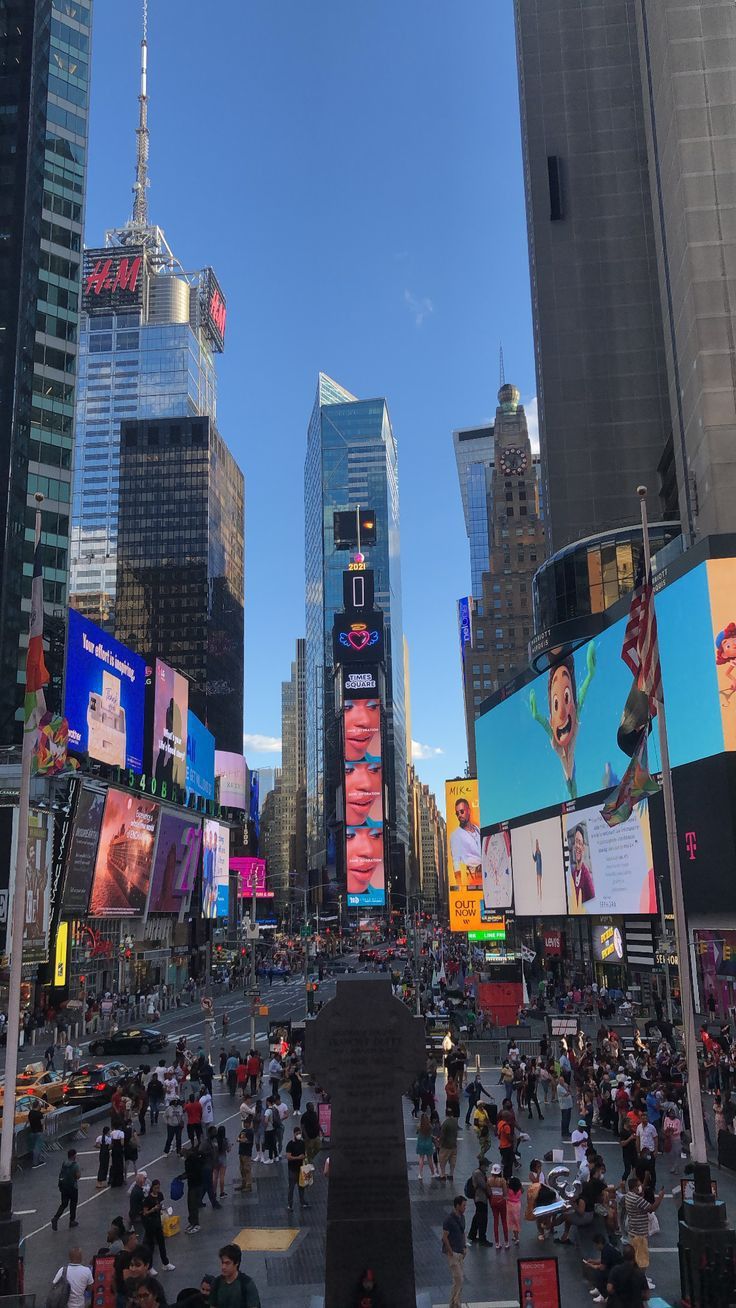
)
(502, 623)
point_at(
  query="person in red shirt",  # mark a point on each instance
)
(253, 1068)
(241, 1078)
(505, 1133)
(623, 1104)
(193, 1114)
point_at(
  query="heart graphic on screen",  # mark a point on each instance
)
(359, 639)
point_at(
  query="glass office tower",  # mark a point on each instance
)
(44, 101)
(143, 354)
(351, 460)
(474, 453)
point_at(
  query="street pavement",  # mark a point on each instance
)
(294, 1276)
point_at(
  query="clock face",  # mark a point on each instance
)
(513, 460)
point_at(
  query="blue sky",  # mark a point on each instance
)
(353, 173)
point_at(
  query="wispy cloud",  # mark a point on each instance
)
(419, 751)
(532, 418)
(261, 744)
(419, 306)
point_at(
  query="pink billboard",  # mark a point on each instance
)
(252, 872)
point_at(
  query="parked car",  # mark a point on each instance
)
(130, 1040)
(93, 1084)
(47, 1085)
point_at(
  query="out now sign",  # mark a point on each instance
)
(465, 911)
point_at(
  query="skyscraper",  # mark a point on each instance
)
(44, 100)
(351, 463)
(150, 331)
(502, 623)
(604, 406)
(474, 458)
(180, 562)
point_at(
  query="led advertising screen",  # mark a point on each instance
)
(39, 858)
(608, 943)
(230, 771)
(464, 863)
(80, 865)
(215, 870)
(358, 640)
(113, 280)
(176, 862)
(170, 710)
(561, 729)
(360, 683)
(496, 871)
(539, 869)
(363, 797)
(200, 759)
(609, 869)
(104, 696)
(252, 877)
(124, 856)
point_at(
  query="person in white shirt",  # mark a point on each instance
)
(68, 1058)
(579, 1140)
(465, 842)
(79, 1277)
(208, 1112)
(646, 1138)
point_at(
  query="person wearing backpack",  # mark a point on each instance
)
(69, 1286)
(476, 1188)
(69, 1190)
(233, 1289)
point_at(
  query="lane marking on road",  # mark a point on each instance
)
(24, 1212)
(141, 1166)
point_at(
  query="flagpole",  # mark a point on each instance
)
(697, 1128)
(16, 949)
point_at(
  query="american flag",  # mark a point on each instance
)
(640, 650)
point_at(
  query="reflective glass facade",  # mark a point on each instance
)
(351, 460)
(127, 369)
(180, 562)
(44, 98)
(474, 453)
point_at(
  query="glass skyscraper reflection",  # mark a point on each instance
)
(351, 460)
(152, 360)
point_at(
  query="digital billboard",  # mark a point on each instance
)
(124, 856)
(213, 310)
(561, 729)
(80, 865)
(170, 710)
(230, 771)
(252, 877)
(464, 871)
(358, 640)
(363, 802)
(608, 943)
(175, 864)
(215, 870)
(722, 589)
(539, 869)
(104, 696)
(39, 858)
(365, 867)
(200, 758)
(609, 869)
(496, 870)
(359, 683)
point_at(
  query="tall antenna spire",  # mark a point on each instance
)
(140, 198)
(501, 371)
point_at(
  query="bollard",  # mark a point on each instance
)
(707, 1247)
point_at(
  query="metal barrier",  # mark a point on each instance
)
(58, 1125)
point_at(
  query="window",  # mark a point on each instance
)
(479, 633)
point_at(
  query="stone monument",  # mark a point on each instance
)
(365, 1049)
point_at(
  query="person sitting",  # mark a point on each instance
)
(599, 1267)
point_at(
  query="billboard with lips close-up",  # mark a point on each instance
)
(363, 802)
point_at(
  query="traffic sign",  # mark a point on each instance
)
(305, 929)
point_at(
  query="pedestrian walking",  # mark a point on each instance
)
(231, 1073)
(531, 1083)
(275, 1072)
(35, 1136)
(174, 1120)
(104, 1143)
(49, 1055)
(295, 1158)
(425, 1146)
(193, 1171)
(269, 1132)
(208, 1109)
(565, 1102)
(117, 1157)
(295, 1090)
(454, 1248)
(478, 1183)
(474, 1090)
(78, 1277)
(154, 1231)
(311, 1132)
(245, 1158)
(68, 1189)
(223, 1149)
(497, 1191)
(513, 1208)
(193, 1115)
(447, 1152)
(638, 1211)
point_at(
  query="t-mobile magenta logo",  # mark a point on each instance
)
(691, 842)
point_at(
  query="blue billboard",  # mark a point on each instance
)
(104, 696)
(555, 739)
(200, 758)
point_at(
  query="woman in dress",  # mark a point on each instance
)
(425, 1146)
(218, 1171)
(103, 1144)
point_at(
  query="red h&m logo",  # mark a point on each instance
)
(218, 312)
(691, 843)
(123, 278)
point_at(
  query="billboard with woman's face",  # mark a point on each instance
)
(363, 802)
